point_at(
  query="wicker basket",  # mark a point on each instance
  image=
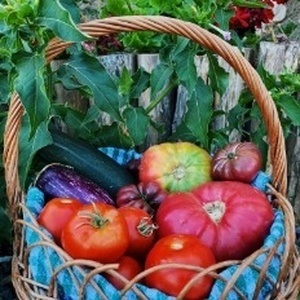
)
(287, 286)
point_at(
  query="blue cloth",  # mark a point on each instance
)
(44, 259)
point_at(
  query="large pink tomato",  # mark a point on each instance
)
(240, 161)
(232, 218)
(180, 166)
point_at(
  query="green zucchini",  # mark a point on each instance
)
(87, 160)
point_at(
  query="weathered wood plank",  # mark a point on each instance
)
(225, 103)
(277, 58)
(230, 97)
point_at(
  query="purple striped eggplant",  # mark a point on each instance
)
(59, 180)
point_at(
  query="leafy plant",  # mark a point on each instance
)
(26, 27)
(229, 18)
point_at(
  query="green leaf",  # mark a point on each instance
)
(125, 82)
(291, 107)
(6, 227)
(141, 80)
(249, 3)
(116, 7)
(72, 7)
(54, 16)
(219, 78)
(269, 79)
(195, 125)
(29, 145)
(30, 85)
(4, 88)
(113, 136)
(137, 124)
(222, 17)
(159, 78)
(184, 59)
(88, 71)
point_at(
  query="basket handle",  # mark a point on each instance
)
(168, 25)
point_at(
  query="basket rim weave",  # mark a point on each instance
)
(207, 40)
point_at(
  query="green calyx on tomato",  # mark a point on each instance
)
(176, 167)
(94, 218)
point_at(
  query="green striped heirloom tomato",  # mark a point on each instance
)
(232, 218)
(179, 166)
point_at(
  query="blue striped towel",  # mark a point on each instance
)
(43, 260)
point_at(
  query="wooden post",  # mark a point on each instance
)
(277, 58)
(225, 103)
(231, 96)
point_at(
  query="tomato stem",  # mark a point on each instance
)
(146, 227)
(95, 218)
(231, 155)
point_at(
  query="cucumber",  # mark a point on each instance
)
(62, 181)
(88, 161)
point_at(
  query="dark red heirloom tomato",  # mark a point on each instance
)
(240, 161)
(175, 167)
(98, 232)
(128, 268)
(179, 249)
(56, 213)
(142, 230)
(144, 195)
(232, 218)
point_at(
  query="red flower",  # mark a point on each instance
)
(247, 19)
(241, 19)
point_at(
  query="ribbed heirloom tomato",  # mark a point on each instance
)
(175, 167)
(240, 161)
(144, 195)
(180, 249)
(98, 232)
(232, 218)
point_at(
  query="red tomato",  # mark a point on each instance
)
(142, 230)
(56, 213)
(238, 162)
(98, 232)
(128, 268)
(232, 218)
(179, 166)
(182, 249)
